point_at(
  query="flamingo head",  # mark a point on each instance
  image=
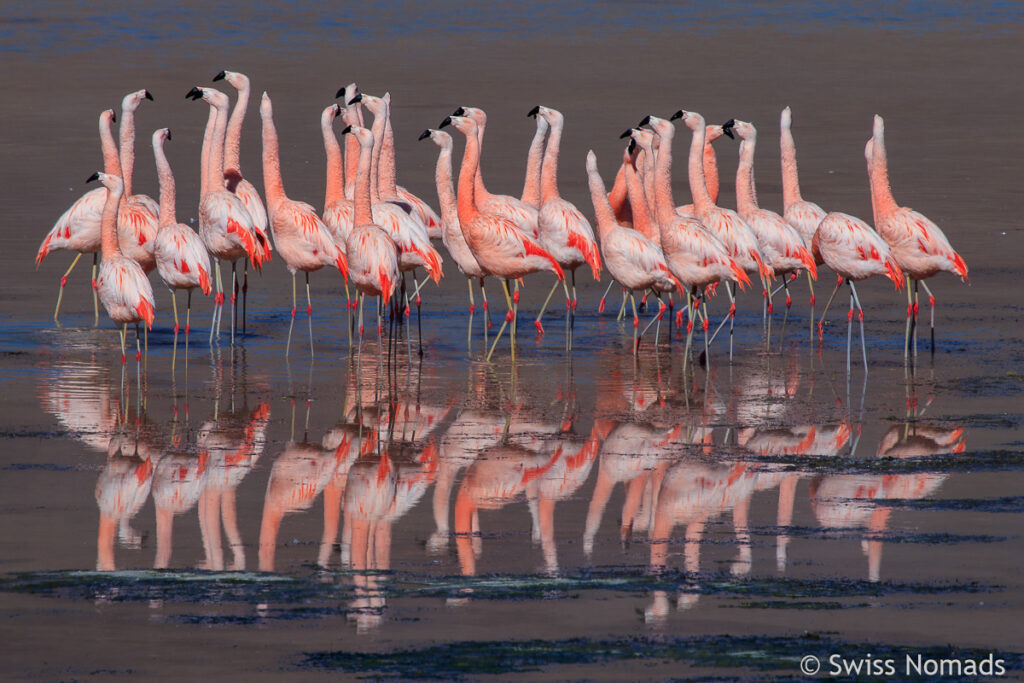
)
(591, 162)
(744, 129)
(474, 113)
(160, 135)
(329, 114)
(112, 182)
(692, 119)
(661, 127)
(108, 116)
(552, 116)
(132, 100)
(363, 135)
(463, 124)
(440, 138)
(238, 81)
(878, 128)
(713, 132)
(347, 93)
(786, 119)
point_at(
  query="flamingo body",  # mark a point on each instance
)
(852, 249)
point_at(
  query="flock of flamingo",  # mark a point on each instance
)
(374, 231)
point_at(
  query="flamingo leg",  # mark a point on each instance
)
(174, 352)
(515, 318)
(288, 344)
(188, 326)
(95, 297)
(600, 306)
(913, 330)
(572, 310)
(216, 298)
(124, 332)
(810, 287)
(245, 291)
(504, 324)
(860, 317)
(537, 323)
(487, 311)
(622, 308)
(309, 316)
(64, 281)
(931, 308)
(910, 313)
(348, 307)
(828, 303)
(234, 297)
(636, 325)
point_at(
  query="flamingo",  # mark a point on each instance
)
(633, 261)
(181, 256)
(499, 247)
(711, 133)
(339, 211)
(854, 251)
(451, 235)
(519, 212)
(78, 228)
(394, 192)
(225, 225)
(372, 254)
(781, 244)
(122, 285)
(564, 230)
(920, 247)
(797, 211)
(724, 224)
(302, 239)
(138, 216)
(695, 256)
(234, 181)
(408, 233)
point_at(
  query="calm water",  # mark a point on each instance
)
(387, 515)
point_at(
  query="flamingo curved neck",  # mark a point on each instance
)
(273, 185)
(790, 176)
(335, 190)
(701, 198)
(233, 142)
(363, 206)
(549, 170)
(127, 149)
(746, 196)
(881, 190)
(168, 215)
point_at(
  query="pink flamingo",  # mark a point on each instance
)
(724, 224)
(695, 256)
(564, 230)
(711, 133)
(234, 181)
(798, 212)
(138, 216)
(781, 244)
(854, 251)
(633, 261)
(451, 235)
(225, 225)
(78, 228)
(408, 233)
(122, 285)
(339, 211)
(391, 191)
(372, 254)
(303, 240)
(181, 256)
(499, 247)
(920, 247)
(525, 216)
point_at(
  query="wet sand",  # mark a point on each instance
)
(905, 491)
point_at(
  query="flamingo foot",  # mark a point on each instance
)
(770, 307)
(175, 329)
(689, 326)
(860, 315)
(600, 306)
(515, 297)
(931, 301)
(849, 315)
(309, 309)
(472, 308)
(95, 285)
(508, 317)
(789, 301)
(636, 323)
(812, 301)
(187, 329)
(679, 318)
(540, 328)
(293, 311)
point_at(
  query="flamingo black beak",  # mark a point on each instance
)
(94, 176)
(727, 128)
(220, 77)
(461, 111)
(627, 134)
(424, 135)
(168, 133)
(194, 94)
(348, 129)
(357, 98)
(447, 120)
(632, 146)
(533, 112)
(341, 91)
(145, 93)
(646, 121)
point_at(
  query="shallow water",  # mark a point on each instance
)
(591, 517)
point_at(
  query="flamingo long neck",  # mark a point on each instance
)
(273, 185)
(446, 189)
(379, 124)
(549, 171)
(353, 117)
(108, 223)
(874, 199)
(163, 170)
(233, 142)
(204, 166)
(387, 171)
(363, 204)
(642, 221)
(790, 177)
(481, 193)
(884, 202)
(111, 161)
(746, 196)
(646, 176)
(335, 169)
(711, 171)
(467, 202)
(664, 205)
(531, 186)
(216, 177)
(702, 202)
(127, 148)
(618, 197)
(606, 223)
